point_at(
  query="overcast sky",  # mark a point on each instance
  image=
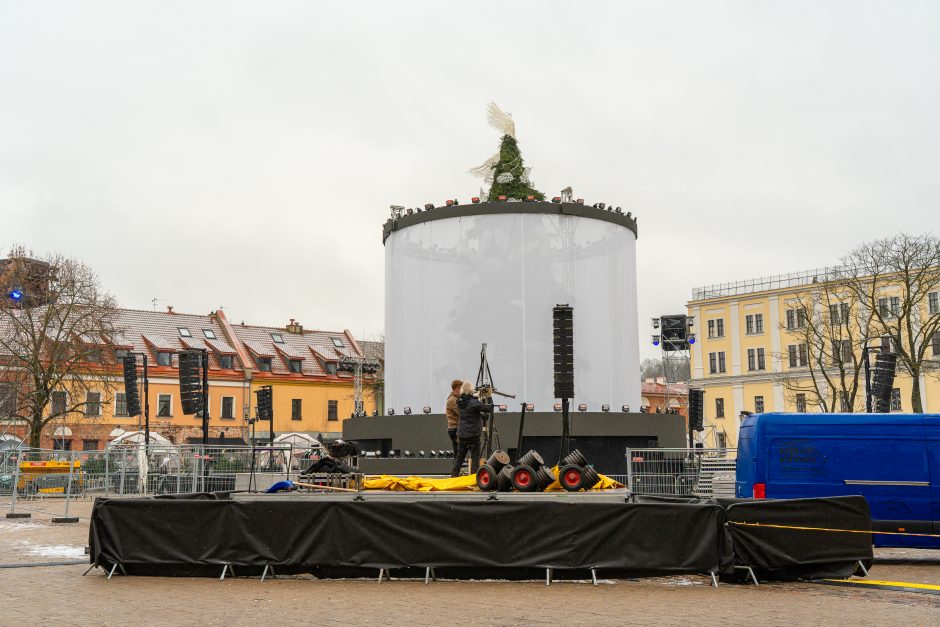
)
(245, 155)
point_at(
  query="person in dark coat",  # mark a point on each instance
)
(469, 430)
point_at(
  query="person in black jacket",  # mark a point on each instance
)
(469, 430)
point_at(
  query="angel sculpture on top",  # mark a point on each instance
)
(505, 171)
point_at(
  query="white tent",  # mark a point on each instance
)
(300, 446)
(298, 440)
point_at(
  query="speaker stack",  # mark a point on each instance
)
(883, 382)
(563, 344)
(131, 391)
(191, 397)
(697, 409)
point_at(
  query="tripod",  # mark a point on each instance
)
(487, 388)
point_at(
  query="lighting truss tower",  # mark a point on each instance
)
(358, 366)
(673, 335)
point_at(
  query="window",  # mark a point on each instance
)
(331, 368)
(755, 359)
(933, 303)
(184, 332)
(758, 404)
(228, 407)
(61, 445)
(332, 410)
(278, 338)
(163, 358)
(716, 328)
(896, 399)
(844, 406)
(296, 405)
(209, 333)
(716, 362)
(841, 352)
(722, 439)
(226, 362)
(839, 314)
(92, 403)
(295, 365)
(59, 403)
(754, 324)
(8, 399)
(886, 344)
(801, 403)
(120, 404)
(89, 445)
(120, 353)
(93, 356)
(935, 344)
(796, 319)
(165, 406)
(338, 343)
(889, 307)
(798, 356)
(719, 408)
(264, 364)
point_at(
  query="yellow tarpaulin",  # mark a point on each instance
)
(457, 484)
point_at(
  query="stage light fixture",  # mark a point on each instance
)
(625, 409)
(556, 199)
(530, 198)
(420, 453)
(378, 453)
(409, 454)
(692, 339)
(502, 408)
(690, 321)
(426, 409)
(605, 408)
(619, 210)
(391, 411)
(529, 407)
(582, 407)
(580, 201)
(501, 198)
(475, 200)
(449, 203)
(407, 411)
(428, 206)
(629, 214)
(16, 296)
(375, 412)
(601, 205)
(655, 323)
(556, 407)
(655, 340)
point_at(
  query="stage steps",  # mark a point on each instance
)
(716, 478)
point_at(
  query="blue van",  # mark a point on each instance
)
(893, 460)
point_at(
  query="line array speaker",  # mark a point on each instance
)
(131, 391)
(191, 382)
(563, 340)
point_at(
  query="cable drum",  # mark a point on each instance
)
(497, 460)
(504, 479)
(531, 459)
(544, 478)
(574, 457)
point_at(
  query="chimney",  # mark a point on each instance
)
(169, 309)
(294, 327)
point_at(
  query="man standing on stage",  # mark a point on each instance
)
(469, 429)
(453, 412)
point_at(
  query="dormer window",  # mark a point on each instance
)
(209, 333)
(120, 353)
(331, 368)
(278, 338)
(227, 362)
(295, 365)
(184, 332)
(164, 358)
(264, 364)
(338, 343)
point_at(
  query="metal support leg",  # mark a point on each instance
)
(381, 574)
(714, 579)
(113, 568)
(548, 576)
(227, 568)
(90, 568)
(264, 573)
(862, 566)
(594, 576)
(429, 575)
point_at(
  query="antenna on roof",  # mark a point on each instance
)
(154, 301)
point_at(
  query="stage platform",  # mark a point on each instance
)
(473, 535)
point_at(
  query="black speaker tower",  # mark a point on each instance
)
(696, 412)
(194, 386)
(883, 381)
(265, 404)
(131, 391)
(563, 344)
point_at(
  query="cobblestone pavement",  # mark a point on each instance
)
(60, 595)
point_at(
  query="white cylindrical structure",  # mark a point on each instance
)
(456, 277)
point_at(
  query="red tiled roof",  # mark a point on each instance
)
(316, 344)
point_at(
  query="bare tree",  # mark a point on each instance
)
(651, 368)
(895, 278)
(831, 330)
(56, 340)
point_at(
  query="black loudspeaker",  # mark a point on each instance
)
(882, 382)
(191, 396)
(563, 338)
(131, 392)
(697, 409)
(674, 331)
(265, 403)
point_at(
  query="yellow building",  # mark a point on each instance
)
(755, 351)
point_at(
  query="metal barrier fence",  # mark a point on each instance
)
(160, 469)
(676, 471)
